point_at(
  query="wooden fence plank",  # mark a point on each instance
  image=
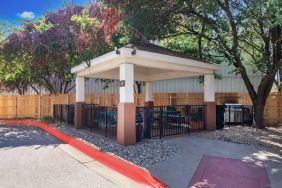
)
(38, 106)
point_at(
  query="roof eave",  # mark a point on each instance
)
(129, 52)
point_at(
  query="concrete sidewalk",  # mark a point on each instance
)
(29, 157)
(178, 172)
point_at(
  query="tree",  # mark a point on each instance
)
(278, 81)
(57, 42)
(15, 75)
(276, 7)
(48, 42)
(242, 33)
(2, 31)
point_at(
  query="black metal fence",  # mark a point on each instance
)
(100, 119)
(159, 121)
(234, 115)
(64, 113)
(169, 120)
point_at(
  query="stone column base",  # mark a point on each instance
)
(126, 128)
(78, 115)
(210, 116)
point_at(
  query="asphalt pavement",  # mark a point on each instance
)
(29, 157)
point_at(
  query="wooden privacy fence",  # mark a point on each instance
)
(39, 106)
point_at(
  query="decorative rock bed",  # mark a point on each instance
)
(143, 154)
(269, 138)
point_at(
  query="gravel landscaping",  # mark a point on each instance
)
(269, 138)
(145, 153)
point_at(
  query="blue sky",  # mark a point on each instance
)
(14, 11)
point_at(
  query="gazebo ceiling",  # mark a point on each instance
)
(151, 62)
(144, 74)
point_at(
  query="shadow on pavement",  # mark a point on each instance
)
(178, 172)
(12, 136)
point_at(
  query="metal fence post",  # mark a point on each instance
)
(91, 118)
(61, 113)
(39, 107)
(68, 115)
(84, 111)
(229, 115)
(243, 109)
(161, 126)
(147, 122)
(106, 121)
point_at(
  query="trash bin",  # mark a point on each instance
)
(233, 114)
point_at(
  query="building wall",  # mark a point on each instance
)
(224, 85)
(229, 83)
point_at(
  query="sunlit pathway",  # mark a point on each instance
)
(179, 171)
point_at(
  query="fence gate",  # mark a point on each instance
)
(163, 121)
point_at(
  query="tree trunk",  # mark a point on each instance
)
(138, 86)
(20, 92)
(33, 87)
(259, 114)
(260, 101)
(280, 79)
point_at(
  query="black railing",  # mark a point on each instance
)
(169, 120)
(155, 122)
(234, 115)
(197, 117)
(64, 113)
(100, 119)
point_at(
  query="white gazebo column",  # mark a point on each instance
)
(149, 95)
(79, 101)
(209, 99)
(126, 128)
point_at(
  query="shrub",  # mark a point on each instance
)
(48, 119)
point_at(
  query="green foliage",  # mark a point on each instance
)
(49, 119)
(241, 33)
(275, 6)
(41, 25)
(86, 22)
(181, 43)
(202, 28)
(16, 74)
(2, 31)
(53, 44)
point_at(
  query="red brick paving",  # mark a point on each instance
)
(218, 172)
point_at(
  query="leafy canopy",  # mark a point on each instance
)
(57, 42)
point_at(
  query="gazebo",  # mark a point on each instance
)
(148, 63)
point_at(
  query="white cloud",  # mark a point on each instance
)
(27, 15)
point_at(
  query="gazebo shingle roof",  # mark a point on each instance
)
(149, 47)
